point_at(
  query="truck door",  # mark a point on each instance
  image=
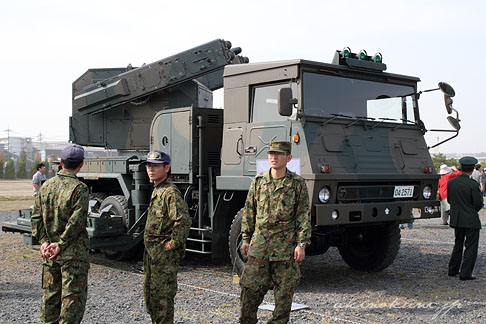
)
(266, 125)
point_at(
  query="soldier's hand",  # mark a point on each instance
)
(244, 248)
(53, 250)
(299, 254)
(43, 250)
(167, 246)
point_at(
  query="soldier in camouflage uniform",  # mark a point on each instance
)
(59, 224)
(166, 231)
(276, 229)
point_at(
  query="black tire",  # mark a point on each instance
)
(99, 197)
(237, 258)
(371, 249)
(119, 206)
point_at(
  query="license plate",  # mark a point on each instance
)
(403, 192)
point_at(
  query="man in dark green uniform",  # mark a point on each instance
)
(464, 196)
(59, 224)
(275, 229)
(166, 230)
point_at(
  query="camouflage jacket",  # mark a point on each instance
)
(167, 219)
(275, 219)
(60, 215)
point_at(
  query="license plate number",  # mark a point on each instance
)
(403, 192)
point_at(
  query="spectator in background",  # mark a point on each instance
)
(446, 174)
(39, 177)
(483, 182)
(476, 174)
(466, 201)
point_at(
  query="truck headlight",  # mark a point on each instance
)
(324, 195)
(427, 192)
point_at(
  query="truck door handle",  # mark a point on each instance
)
(238, 146)
(250, 150)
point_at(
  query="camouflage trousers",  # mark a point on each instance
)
(160, 285)
(258, 277)
(65, 287)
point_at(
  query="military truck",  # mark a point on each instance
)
(356, 133)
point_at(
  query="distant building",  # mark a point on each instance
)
(12, 146)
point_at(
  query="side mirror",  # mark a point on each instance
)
(447, 89)
(285, 101)
(448, 103)
(448, 94)
(454, 123)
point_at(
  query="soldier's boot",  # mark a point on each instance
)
(250, 300)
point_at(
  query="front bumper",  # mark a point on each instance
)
(402, 211)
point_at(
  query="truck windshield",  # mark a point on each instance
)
(328, 95)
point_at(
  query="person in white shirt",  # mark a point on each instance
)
(39, 178)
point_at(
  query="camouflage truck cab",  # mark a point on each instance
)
(357, 140)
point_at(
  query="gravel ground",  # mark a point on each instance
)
(414, 289)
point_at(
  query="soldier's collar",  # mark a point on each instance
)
(269, 178)
(66, 173)
(163, 183)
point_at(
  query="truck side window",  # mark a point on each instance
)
(264, 103)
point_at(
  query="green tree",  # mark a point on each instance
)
(2, 164)
(439, 159)
(10, 170)
(48, 173)
(33, 170)
(37, 160)
(22, 166)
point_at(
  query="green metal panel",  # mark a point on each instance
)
(181, 140)
(259, 135)
(233, 183)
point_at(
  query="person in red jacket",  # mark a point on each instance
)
(446, 175)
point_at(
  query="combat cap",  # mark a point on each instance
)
(468, 161)
(157, 156)
(282, 146)
(73, 152)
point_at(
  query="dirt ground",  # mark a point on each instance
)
(16, 194)
(415, 289)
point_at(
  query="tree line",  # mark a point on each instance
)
(18, 169)
(439, 159)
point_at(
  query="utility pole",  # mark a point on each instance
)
(8, 143)
(40, 144)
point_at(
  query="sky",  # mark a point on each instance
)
(46, 45)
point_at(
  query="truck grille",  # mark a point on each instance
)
(214, 119)
(354, 193)
(213, 159)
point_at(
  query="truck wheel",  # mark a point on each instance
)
(99, 197)
(237, 258)
(371, 249)
(134, 253)
(119, 206)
